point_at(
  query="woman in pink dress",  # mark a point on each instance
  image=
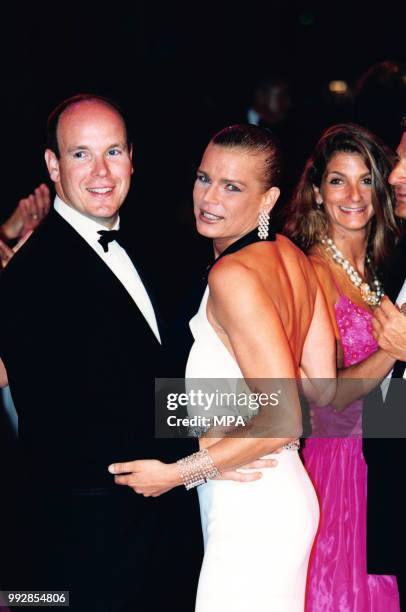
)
(342, 215)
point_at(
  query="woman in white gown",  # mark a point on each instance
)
(262, 318)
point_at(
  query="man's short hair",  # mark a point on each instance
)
(55, 115)
(403, 123)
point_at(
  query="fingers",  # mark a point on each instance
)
(241, 476)
(261, 463)
(35, 214)
(130, 481)
(123, 468)
(22, 241)
(24, 208)
(379, 316)
(387, 307)
(5, 254)
(383, 314)
(35, 207)
(376, 328)
(122, 480)
(43, 199)
(28, 213)
(238, 476)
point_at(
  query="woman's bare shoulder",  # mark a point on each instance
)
(288, 249)
(238, 290)
(296, 262)
(232, 273)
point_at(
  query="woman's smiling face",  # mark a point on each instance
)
(346, 192)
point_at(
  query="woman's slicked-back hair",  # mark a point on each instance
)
(306, 222)
(257, 141)
(55, 115)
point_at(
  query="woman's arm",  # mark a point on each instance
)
(318, 364)
(353, 382)
(358, 380)
(240, 305)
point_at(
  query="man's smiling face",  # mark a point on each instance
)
(93, 172)
(397, 178)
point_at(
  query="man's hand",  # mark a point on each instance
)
(389, 329)
(147, 477)
(28, 214)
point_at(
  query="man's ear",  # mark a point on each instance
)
(52, 164)
(270, 198)
(131, 157)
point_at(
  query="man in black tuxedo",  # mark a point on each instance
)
(82, 378)
(385, 416)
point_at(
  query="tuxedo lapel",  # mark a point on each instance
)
(395, 284)
(399, 369)
(397, 374)
(396, 273)
(84, 258)
(136, 258)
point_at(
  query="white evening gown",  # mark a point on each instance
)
(257, 535)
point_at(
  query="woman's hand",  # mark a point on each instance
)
(28, 214)
(6, 253)
(147, 477)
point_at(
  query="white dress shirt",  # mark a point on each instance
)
(115, 258)
(401, 299)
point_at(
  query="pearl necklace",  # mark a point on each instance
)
(371, 297)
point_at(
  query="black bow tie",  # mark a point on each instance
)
(107, 236)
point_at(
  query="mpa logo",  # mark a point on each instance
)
(228, 421)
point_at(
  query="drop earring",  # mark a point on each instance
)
(263, 224)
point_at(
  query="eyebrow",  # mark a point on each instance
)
(224, 180)
(76, 148)
(343, 174)
(86, 148)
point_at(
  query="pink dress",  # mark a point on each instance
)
(337, 579)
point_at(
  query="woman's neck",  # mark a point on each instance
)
(221, 244)
(353, 246)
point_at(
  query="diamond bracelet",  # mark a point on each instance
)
(197, 469)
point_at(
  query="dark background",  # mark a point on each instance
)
(181, 72)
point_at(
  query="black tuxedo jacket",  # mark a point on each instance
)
(385, 419)
(81, 359)
(384, 448)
